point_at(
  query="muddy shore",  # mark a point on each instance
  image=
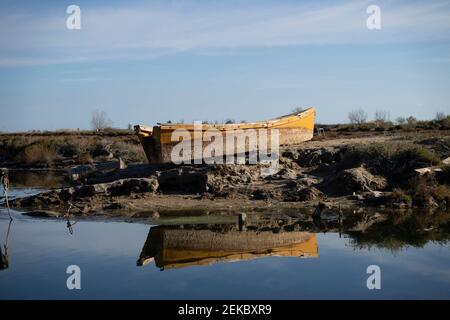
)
(340, 172)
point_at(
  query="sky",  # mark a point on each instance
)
(144, 62)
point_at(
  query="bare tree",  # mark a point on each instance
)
(100, 120)
(357, 116)
(400, 120)
(440, 116)
(381, 116)
(411, 120)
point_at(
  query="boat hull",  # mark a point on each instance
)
(178, 248)
(159, 142)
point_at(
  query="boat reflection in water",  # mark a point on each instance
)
(178, 247)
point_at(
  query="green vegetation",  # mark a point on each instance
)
(393, 160)
(396, 162)
(381, 123)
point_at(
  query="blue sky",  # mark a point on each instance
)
(154, 61)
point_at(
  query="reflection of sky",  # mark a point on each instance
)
(18, 192)
(41, 250)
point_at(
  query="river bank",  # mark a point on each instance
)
(339, 172)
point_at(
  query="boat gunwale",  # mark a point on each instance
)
(282, 120)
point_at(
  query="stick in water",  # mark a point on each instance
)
(5, 183)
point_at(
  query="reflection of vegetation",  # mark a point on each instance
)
(28, 179)
(404, 229)
(391, 230)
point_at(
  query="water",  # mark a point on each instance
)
(123, 260)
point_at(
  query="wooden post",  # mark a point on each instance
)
(242, 221)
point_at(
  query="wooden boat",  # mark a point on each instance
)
(158, 141)
(178, 248)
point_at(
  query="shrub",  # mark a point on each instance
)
(415, 157)
(394, 161)
(400, 120)
(411, 120)
(85, 158)
(13, 146)
(440, 116)
(129, 152)
(426, 192)
(99, 148)
(41, 154)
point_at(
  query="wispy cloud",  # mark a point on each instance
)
(147, 30)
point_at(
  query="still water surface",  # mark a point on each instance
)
(124, 260)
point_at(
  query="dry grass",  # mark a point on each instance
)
(45, 150)
(38, 154)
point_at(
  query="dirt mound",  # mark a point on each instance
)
(300, 192)
(355, 180)
(213, 179)
(264, 194)
(319, 156)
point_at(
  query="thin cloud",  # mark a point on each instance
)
(150, 30)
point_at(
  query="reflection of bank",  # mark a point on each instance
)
(178, 248)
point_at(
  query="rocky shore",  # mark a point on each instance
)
(358, 172)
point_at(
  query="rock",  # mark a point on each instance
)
(88, 196)
(355, 180)
(183, 179)
(90, 190)
(77, 173)
(128, 186)
(66, 194)
(307, 180)
(155, 215)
